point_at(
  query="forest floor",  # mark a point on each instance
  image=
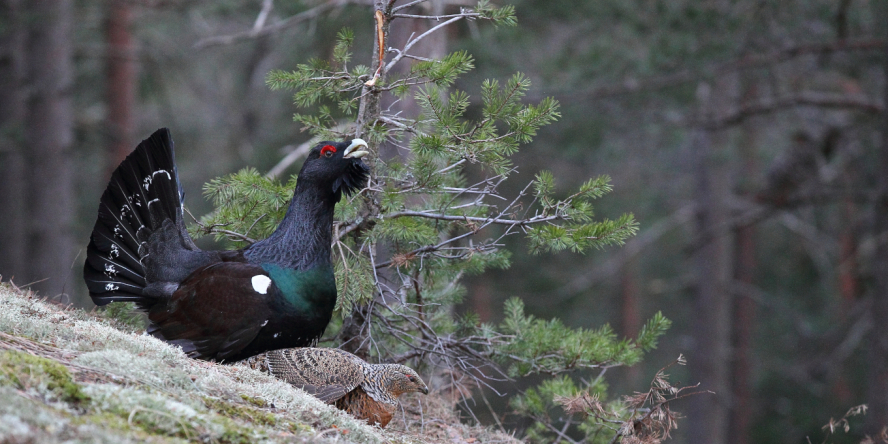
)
(71, 375)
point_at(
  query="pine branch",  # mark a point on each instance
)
(485, 220)
(395, 302)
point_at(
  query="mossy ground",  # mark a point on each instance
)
(68, 375)
(26, 371)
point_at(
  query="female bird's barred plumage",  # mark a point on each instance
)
(366, 391)
(222, 305)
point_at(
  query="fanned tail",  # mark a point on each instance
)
(143, 194)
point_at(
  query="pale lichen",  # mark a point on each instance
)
(68, 376)
(100, 383)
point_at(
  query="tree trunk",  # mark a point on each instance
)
(353, 332)
(48, 136)
(877, 387)
(849, 286)
(744, 307)
(13, 226)
(709, 360)
(744, 326)
(121, 86)
(631, 313)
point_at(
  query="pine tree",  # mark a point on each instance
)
(405, 241)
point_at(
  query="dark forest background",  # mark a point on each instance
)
(749, 138)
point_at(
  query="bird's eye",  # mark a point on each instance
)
(412, 378)
(328, 150)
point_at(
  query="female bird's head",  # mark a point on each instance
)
(403, 379)
(337, 165)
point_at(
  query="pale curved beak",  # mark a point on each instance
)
(354, 150)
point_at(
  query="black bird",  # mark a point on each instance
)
(220, 305)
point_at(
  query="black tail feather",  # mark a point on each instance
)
(144, 191)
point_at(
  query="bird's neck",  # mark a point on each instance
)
(302, 240)
(374, 383)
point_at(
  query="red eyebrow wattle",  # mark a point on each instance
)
(327, 148)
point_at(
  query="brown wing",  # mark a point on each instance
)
(326, 373)
(214, 313)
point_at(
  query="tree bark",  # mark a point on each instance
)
(744, 326)
(353, 334)
(630, 313)
(48, 136)
(13, 227)
(877, 364)
(121, 86)
(744, 307)
(709, 359)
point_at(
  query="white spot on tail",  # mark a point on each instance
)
(261, 283)
(111, 287)
(147, 181)
(115, 251)
(277, 334)
(110, 270)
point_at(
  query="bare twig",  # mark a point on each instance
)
(380, 44)
(494, 220)
(267, 5)
(820, 100)
(291, 158)
(436, 17)
(417, 39)
(407, 5)
(276, 27)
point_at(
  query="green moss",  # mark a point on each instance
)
(243, 412)
(119, 426)
(299, 429)
(105, 419)
(255, 401)
(26, 371)
(156, 422)
(234, 433)
(236, 436)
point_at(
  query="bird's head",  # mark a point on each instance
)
(403, 379)
(337, 165)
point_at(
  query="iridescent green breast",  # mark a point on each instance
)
(305, 290)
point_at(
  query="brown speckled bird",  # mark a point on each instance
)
(366, 391)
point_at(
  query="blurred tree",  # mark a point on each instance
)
(13, 177)
(877, 366)
(48, 138)
(710, 355)
(626, 74)
(744, 275)
(120, 82)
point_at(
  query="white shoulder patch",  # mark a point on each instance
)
(261, 283)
